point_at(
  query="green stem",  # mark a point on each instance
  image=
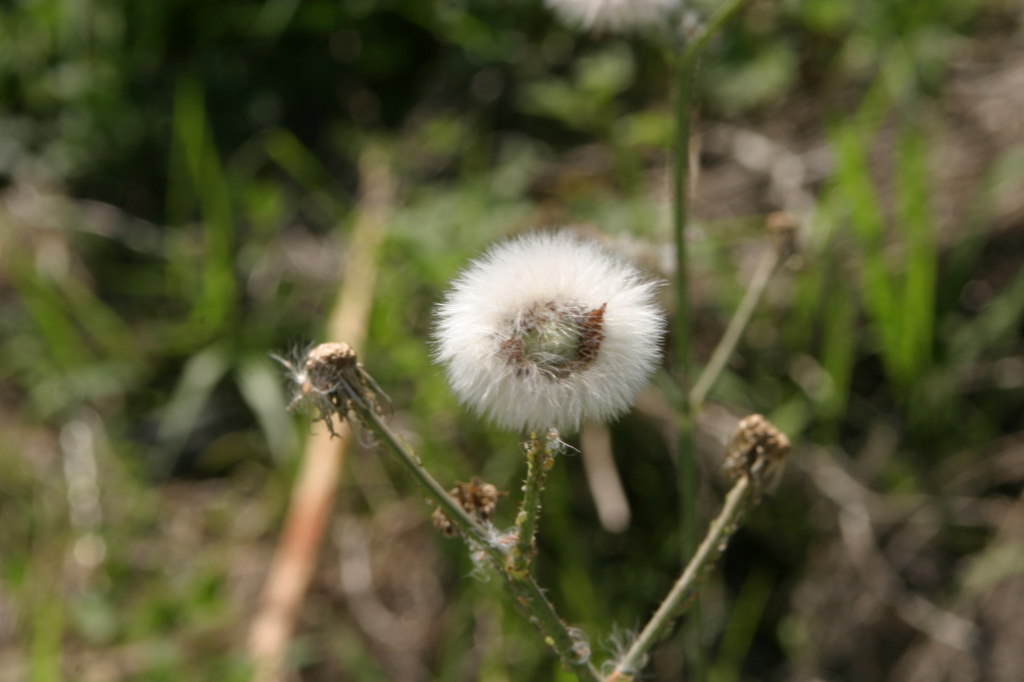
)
(539, 457)
(683, 592)
(734, 331)
(528, 593)
(574, 651)
(687, 470)
(431, 488)
(726, 11)
(681, 332)
(686, 61)
(680, 180)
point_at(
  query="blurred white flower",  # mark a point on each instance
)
(548, 330)
(613, 15)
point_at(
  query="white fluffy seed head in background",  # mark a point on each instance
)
(548, 330)
(613, 15)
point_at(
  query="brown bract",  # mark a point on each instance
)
(586, 325)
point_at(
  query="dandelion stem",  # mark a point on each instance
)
(754, 458)
(431, 488)
(682, 593)
(528, 593)
(687, 471)
(686, 60)
(681, 329)
(556, 635)
(539, 458)
(680, 180)
(765, 268)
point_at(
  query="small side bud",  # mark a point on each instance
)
(477, 497)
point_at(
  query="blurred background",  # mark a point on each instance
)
(179, 184)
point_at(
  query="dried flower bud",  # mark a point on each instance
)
(548, 330)
(784, 228)
(329, 379)
(478, 498)
(758, 450)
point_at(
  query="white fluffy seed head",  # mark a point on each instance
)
(614, 15)
(548, 330)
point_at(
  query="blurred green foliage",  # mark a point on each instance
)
(178, 182)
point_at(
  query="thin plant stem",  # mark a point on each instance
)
(539, 460)
(680, 182)
(573, 650)
(472, 528)
(767, 265)
(695, 47)
(687, 470)
(683, 592)
(686, 62)
(529, 595)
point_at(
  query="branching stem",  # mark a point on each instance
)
(529, 595)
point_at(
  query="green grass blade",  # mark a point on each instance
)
(739, 633)
(295, 158)
(880, 299)
(260, 385)
(104, 325)
(216, 303)
(839, 353)
(49, 312)
(914, 219)
(200, 376)
(47, 638)
(997, 323)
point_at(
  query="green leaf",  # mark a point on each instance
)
(200, 376)
(259, 382)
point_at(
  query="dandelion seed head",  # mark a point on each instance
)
(549, 330)
(613, 15)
